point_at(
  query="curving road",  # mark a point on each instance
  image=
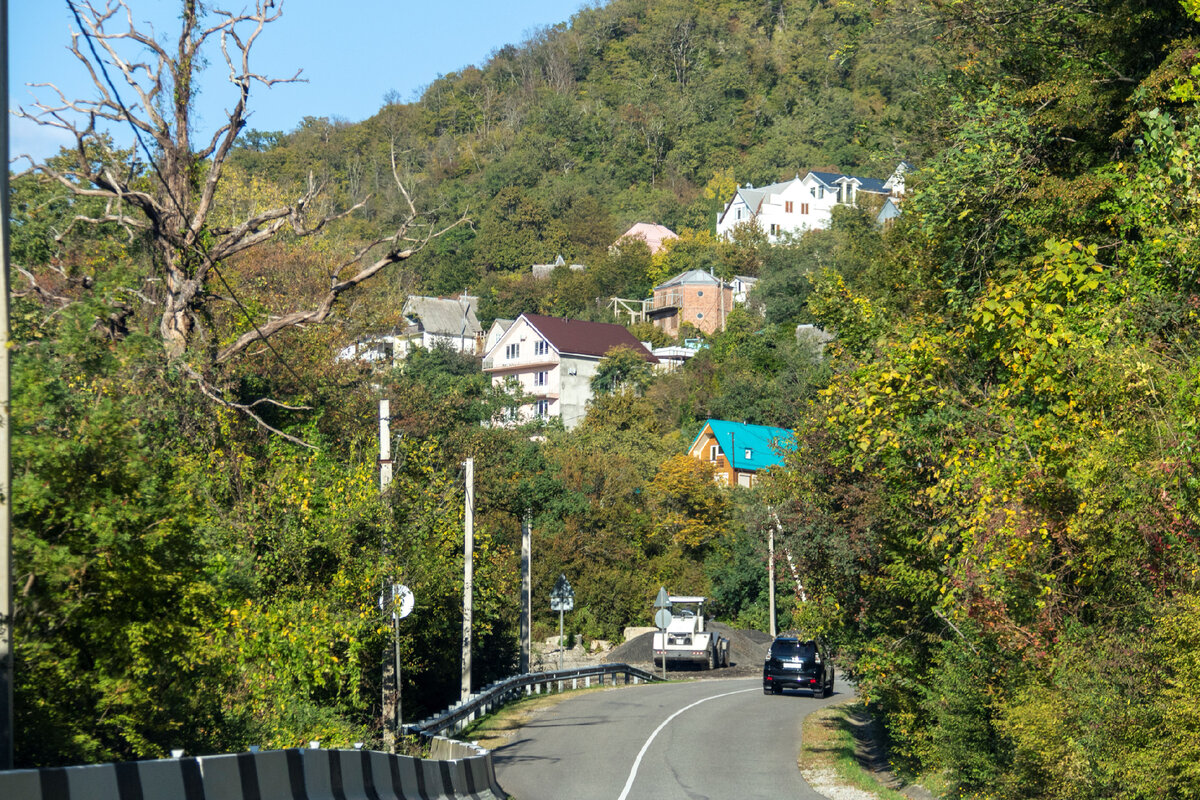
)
(716, 739)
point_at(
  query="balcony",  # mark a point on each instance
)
(664, 301)
(499, 362)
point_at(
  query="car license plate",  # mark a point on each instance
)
(793, 664)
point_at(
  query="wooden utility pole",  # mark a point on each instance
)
(7, 735)
(390, 689)
(526, 592)
(468, 576)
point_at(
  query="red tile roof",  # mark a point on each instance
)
(576, 337)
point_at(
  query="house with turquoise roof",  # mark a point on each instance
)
(739, 451)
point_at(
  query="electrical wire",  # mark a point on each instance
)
(199, 246)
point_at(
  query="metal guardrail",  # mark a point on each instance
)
(458, 716)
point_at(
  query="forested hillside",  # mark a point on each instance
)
(993, 506)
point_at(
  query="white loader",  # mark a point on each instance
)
(686, 640)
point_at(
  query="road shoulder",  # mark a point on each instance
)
(843, 757)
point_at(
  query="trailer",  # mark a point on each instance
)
(687, 640)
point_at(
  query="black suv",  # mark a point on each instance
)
(795, 663)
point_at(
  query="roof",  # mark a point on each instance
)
(576, 337)
(875, 185)
(754, 196)
(444, 316)
(734, 437)
(653, 235)
(690, 278)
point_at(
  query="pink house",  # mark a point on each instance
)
(655, 236)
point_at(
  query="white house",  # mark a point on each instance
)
(428, 321)
(553, 360)
(803, 204)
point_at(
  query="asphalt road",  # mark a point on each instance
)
(716, 739)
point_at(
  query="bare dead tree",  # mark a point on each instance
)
(170, 201)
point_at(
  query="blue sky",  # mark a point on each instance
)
(352, 52)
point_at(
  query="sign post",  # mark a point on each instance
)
(662, 618)
(402, 602)
(562, 598)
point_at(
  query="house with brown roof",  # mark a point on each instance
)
(553, 361)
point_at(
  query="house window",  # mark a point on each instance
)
(787, 206)
(749, 454)
(513, 351)
(739, 214)
(699, 315)
(541, 379)
(541, 348)
(804, 208)
(700, 293)
(712, 452)
(541, 409)
(774, 229)
(820, 192)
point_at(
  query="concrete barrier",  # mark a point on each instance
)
(455, 770)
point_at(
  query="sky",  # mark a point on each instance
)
(352, 53)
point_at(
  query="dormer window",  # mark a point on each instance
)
(749, 454)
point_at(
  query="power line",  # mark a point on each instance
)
(199, 246)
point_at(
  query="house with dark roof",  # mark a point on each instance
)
(740, 451)
(804, 204)
(553, 361)
(428, 322)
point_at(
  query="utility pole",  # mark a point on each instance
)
(7, 735)
(390, 689)
(771, 575)
(468, 576)
(526, 592)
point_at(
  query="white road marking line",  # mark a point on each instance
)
(638, 761)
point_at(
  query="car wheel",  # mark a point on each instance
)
(777, 689)
(768, 690)
(830, 691)
(819, 692)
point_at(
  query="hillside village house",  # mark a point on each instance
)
(655, 236)
(805, 204)
(739, 450)
(428, 321)
(693, 296)
(553, 360)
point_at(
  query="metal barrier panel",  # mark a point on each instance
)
(274, 778)
(318, 779)
(348, 765)
(95, 782)
(21, 783)
(223, 776)
(164, 780)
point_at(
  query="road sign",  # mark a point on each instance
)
(662, 601)
(402, 599)
(663, 618)
(562, 597)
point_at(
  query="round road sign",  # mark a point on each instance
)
(663, 618)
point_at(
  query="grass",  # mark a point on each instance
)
(833, 740)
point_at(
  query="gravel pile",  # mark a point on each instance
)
(747, 649)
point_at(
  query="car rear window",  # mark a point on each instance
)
(790, 649)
